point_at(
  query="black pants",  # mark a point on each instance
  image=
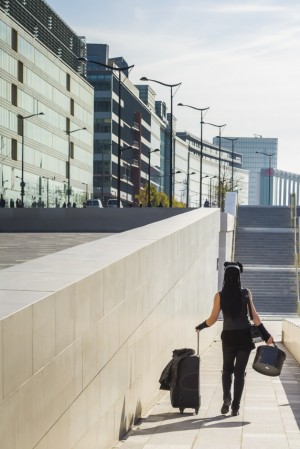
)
(234, 363)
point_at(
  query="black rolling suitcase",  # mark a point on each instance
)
(185, 392)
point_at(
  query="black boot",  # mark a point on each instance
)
(225, 406)
(235, 412)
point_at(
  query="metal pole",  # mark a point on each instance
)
(22, 167)
(149, 172)
(69, 170)
(22, 155)
(47, 192)
(171, 151)
(270, 180)
(201, 157)
(188, 181)
(232, 165)
(219, 190)
(119, 147)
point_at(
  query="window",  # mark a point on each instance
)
(68, 82)
(14, 95)
(20, 125)
(102, 125)
(14, 149)
(72, 106)
(103, 105)
(20, 71)
(67, 125)
(102, 146)
(72, 150)
(14, 39)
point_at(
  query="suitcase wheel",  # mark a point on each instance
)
(181, 411)
(196, 411)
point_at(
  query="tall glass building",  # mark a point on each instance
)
(46, 109)
(258, 153)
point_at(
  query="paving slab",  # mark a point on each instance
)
(269, 414)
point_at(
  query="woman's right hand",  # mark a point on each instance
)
(270, 340)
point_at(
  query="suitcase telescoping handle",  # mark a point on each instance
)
(198, 342)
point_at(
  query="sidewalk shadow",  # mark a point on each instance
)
(219, 421)
(290, 379)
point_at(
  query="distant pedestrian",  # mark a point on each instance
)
(206, 203)
(160, 204)
(64, 204)
(2, 201)
(69, 204)
(74, 204)
(11, 203)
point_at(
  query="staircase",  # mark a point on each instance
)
(265, 246)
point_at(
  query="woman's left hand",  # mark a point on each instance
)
(270, 341)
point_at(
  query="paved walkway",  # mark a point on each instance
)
(269, 415)
(18, 248)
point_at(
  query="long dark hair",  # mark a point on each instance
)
(231, 293)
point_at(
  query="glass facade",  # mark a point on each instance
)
(34, 81)
(252, 149)
(212, 159)
(135, 130)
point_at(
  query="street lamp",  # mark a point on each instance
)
(188, 186)
(22, 184)
(144, 78)
(149, 174)
(219, 136)
(213, 177)
(69, 160)
(201, 143)
(269, 156)
(232, 150)
(119, 70)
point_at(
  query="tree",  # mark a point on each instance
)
(156, 198)
(225, 185)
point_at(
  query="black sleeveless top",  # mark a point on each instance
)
(242, 321)
(236, 332)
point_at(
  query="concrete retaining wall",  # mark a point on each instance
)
(83, 220)
(291, 336)
(86, 332)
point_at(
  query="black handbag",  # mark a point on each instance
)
(255, 334)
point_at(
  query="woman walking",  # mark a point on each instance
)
(236, 337)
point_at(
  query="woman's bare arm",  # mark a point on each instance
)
(215, 311)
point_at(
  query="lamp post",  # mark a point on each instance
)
(270, 157)
(144, 78)
(69, 160)
(201, 143)
(21, 117)
(149, 175)
(119, 70)
(213, 177)
(232, 151)
(219, 136)
(188, 186)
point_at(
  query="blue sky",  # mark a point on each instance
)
(241, 58)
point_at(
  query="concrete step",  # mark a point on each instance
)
(265, 246)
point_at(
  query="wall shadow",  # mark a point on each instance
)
(290, 380)
(164, 426)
